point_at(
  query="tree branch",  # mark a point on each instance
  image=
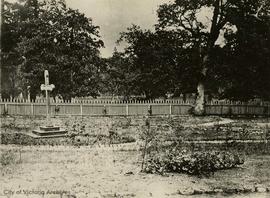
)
(184, 26)
(215, 16)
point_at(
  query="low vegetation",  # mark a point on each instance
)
(193, 163)
(8, 157)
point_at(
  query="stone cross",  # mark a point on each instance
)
(47, 87)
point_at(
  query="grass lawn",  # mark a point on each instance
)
(97, 172)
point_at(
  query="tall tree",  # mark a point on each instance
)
(10, 60)
(156, 56)
(119, 76)
(183, 16)
(60, 39)
(245, 67)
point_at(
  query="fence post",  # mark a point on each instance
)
(170, 109)
(64, 107)
(81, 107)
(221, 110)
(104, 110)
(6, 108)
(127, 109)
(32, 109)
(149, 110)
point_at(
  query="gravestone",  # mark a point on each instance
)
(48, 130)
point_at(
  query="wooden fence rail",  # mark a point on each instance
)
(120, 108)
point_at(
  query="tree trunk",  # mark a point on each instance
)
(217, 23)
(200, 100)
(199, 104)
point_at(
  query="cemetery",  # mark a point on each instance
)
(96, 102)
(211, 155)
(154, 145)
(145, 148)
(118, 142)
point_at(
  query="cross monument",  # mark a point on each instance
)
(49, 130)
(47, 87)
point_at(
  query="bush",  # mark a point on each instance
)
(7, 157)
(197, 163)
(76, 128)
(115, 138)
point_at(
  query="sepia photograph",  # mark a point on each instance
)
(135, 98)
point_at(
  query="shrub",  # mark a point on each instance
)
(267, 132)
(75, 128)
(7, 157)
(197, 163)
(127, 139)
(115, 138)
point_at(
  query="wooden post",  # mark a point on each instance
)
(32, 108)
(170, 109)
(6, 108)
(149, 110)
(81, 109)
(104, 110)
(127, 109)
(64, 107)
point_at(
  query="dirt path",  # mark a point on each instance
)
(85, 172)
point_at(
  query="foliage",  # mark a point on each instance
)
(157, 62)
(197, 163)
(78, 135)
(7, 157)
(223, 45)
(244, 69)
(39, 35)
(226, 66)
(151, 140)
(267, 132)
(76, 128)
(119, 77)
(115, 138)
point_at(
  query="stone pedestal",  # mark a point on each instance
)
(50, 131)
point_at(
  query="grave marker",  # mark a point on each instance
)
(49, 130)
(47, 87)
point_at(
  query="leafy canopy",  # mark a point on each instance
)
(224, 43)
(51, 36)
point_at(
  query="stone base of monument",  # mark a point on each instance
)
(49, 131)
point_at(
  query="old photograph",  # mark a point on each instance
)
(135, 98)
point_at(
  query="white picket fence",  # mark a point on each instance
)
(132, 107)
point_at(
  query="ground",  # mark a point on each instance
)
(115, 172)
(34, 169)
